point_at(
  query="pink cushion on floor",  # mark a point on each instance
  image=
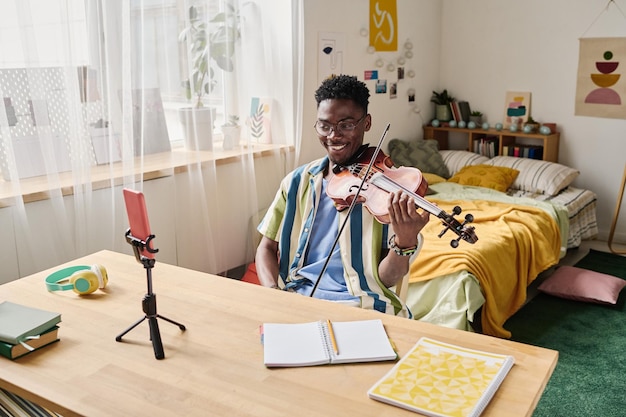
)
(583, 285)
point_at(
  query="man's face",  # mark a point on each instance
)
(341, 143)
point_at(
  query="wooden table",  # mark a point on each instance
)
(216, 366)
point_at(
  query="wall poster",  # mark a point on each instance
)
(600, 88)
(383, 25)
(516, 109)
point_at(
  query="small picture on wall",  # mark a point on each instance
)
(381, 86)
(516, 109)
(393, 90)
(370, 75)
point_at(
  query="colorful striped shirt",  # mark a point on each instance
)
(289, 219)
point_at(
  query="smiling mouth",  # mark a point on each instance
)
(336, 147)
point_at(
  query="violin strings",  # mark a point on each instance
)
(426, 205)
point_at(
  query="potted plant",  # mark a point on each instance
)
(231, 131)
(531, 125)
(476, 117)
(204, 48)
(442, 105)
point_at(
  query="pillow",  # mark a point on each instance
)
(583, 285)
(432, 178)
(422, 154)
(498, 178)
(455, 160)
(537, 176)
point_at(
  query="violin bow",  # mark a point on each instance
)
(350, 209)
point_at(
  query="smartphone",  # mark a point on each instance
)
(138, 221)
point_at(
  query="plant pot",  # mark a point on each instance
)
(442, 112)
(197, 125)
(476, 119)
(232, 135)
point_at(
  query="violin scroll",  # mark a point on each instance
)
(462, 230)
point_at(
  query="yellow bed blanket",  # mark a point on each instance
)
(515, 243)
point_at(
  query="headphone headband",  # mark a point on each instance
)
(53, 279)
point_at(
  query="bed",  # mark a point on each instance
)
(526, 215)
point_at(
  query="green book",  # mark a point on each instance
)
(15, 351)
(18, 322)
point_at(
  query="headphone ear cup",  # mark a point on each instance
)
(101, 274)
(84, 282)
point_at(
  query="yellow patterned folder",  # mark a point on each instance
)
(443, 380)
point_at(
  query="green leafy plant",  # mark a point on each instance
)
(204, 47)
(232, 120)
(476, 113)
(441, 98)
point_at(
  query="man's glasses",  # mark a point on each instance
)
(343, 127)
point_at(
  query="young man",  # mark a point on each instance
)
(302, 223)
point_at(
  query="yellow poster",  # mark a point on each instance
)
(383, 25)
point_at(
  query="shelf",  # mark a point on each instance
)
(549, 143)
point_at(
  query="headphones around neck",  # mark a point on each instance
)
(82, 279)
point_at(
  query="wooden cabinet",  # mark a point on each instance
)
(505, 138)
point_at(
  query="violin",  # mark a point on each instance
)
(370, 176)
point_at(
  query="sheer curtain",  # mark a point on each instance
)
(92, 92)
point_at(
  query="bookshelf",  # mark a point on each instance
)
(505, 138)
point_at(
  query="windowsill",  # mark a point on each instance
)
(153, 166)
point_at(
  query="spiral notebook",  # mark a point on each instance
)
(309, 344)
(441, 380)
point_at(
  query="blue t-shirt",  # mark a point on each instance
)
(323, 234)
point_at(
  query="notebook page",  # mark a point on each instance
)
(294, 344)
(362, 341)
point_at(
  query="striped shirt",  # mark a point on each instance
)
(289, 219)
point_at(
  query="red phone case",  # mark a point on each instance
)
(138, 218)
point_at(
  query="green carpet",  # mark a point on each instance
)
(590, 376)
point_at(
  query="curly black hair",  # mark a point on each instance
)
(343, 87)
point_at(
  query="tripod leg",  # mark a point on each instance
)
(119, 337)
(180, 326)
(155, 336)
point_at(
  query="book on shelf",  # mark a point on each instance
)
(440, 379)
(465, 111)
(18, 322)
(487, 146)
(456, 112)
(324, 342)
(12, 351)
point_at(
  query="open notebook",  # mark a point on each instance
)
(308, 344)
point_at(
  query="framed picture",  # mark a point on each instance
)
(516, 109)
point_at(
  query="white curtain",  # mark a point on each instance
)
(91, 96)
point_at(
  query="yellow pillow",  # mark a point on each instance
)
(432, 178)
(498, 178)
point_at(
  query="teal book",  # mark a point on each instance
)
(18, 322)
(15, 351)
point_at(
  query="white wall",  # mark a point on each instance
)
(419, 21)
(479, 50)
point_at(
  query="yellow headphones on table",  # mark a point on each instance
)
(82, 279)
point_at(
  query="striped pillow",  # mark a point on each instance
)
(455, 160)
(537, 176)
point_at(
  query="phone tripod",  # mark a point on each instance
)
(149, 300)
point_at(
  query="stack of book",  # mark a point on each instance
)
(24, 329)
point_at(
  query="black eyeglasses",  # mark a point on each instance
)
(343, 127)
